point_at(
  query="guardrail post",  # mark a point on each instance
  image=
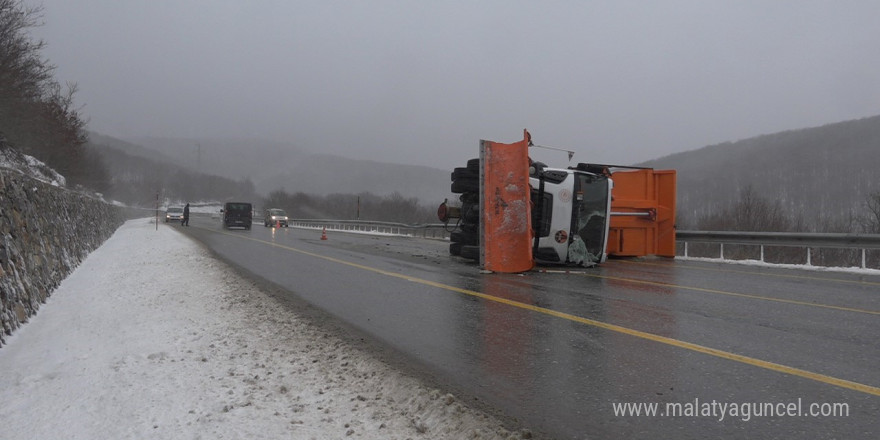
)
(762, 253)
(864, 261)
(722, 251)
(809, 260)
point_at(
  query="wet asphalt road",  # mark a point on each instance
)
(557, 351)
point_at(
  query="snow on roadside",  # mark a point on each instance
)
(852, 270)
(151, 337)
(13, 159)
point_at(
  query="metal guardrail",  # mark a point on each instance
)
(437, 231)
(795, 239)
(807, 240)
(810, 241)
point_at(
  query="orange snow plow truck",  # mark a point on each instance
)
(515, 213)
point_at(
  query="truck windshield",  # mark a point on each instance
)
(589, 217)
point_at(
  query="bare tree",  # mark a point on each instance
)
(391, 208)
(753, 213)
(871, 221)
(37, 115)
(750, 213)
(23, 74)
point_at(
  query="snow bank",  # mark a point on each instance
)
(152, 338)
(853, 270)
(29, 166)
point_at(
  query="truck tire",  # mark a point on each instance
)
(470, 252)
(470, 227)
(465, 238)
(471, 215)
(460, 186)
(474, 165)
(455, 249)
(464, 173)
(469, 197)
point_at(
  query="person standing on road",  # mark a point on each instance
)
(185, 221)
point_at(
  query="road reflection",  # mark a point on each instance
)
(508, 333)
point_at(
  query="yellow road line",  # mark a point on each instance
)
(777, 275)
(723, 292)
(591, 322)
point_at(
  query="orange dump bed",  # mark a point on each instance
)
(642, 213)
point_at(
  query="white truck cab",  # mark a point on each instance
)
(571, 213)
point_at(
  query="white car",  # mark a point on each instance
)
(275, 217)
(174, 214)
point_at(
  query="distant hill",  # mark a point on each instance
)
(236, 158)
(323, 174)
(136, 174)
(129, 148)
(277, 166)
(813, 173)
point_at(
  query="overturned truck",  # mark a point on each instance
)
(515, 213)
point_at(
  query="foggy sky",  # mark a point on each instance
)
(422, 82)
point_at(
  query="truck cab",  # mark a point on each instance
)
(570, 213)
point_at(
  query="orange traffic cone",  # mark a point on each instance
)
(324, 233)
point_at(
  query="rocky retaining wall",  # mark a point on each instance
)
(45, 232)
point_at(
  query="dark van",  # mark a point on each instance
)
(237, 214)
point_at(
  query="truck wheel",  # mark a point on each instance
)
(471, 252)
(465, 238)
(471, 215)
(455, 249)
(474, 165)
(469, 227)
(464, 173)
(469, 197)
(460, 186)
